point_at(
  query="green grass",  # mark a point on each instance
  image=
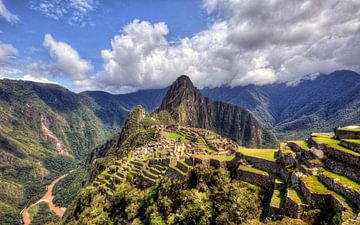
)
(343, 179)
(315, 185)
(334, 143)
(301, 144)
(349, 129)
(296, 196)
(177, 169)
(356, 141)
(218, 157)
(176, 136)
(278, 199)
(253, 170)
(268, 154)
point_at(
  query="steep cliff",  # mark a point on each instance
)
(189, 107)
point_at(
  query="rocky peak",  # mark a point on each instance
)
(189, 107)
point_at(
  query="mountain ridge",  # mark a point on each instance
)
(190, 108)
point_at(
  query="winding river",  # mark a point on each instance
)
(48, 197)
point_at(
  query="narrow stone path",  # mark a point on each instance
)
(47, 197)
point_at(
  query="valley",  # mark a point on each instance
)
(48, 198)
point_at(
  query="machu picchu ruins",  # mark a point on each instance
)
(302, 175)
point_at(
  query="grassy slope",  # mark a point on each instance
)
(28, 158)
(268, 154)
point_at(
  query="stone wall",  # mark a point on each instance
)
(347, 134)
(293, 209)
(342, 168)
(182, 167)
(205, 162)
(275, 213)
(350, 193)
(306, 154)
(350, 145)
(174, 174)
(261, 164)
(222, 164)
(342, 156)
(262, 181)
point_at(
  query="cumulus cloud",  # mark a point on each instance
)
(75, 11)
(67, 60)
(251, 42)
(32, 78)
(7, 51)
(7, 15)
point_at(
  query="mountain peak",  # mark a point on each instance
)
(182, 82)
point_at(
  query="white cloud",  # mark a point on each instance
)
(75, 11)
(251, 42)
(67, 60)
(29, 77)
(7, 15)
(7, 51)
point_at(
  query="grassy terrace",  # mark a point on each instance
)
(343, 179)
(268, 154)
(253, 170)
(278, 199)
(218, 157)
(176, 136)
(356, 141)
(296, 196)
(301, 144)
(357, 129)
(315, 185)
(334, 143)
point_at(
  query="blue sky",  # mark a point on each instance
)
(183, 18)
(126, 45)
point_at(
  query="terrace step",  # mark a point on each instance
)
(155, 171)
(342, 185)
(150, 175)
(353, 144)
(182, 166)
(277, 204)
(159, 167)
(315, 185)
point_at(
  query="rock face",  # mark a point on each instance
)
(189, 107)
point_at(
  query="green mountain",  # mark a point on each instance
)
(45, 130)
(189, 107)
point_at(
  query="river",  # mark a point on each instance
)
(48, 197)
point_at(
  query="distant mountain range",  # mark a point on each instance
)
(289, 110)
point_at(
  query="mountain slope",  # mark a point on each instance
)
(190, 108)
(316, 104)
(44, 131)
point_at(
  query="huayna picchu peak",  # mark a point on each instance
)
(190, 108)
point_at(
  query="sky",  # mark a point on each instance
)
(123, 46)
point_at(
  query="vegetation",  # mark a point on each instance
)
(343, 179)
(301, 144)
(334, 143)
(268, 154)
(176, 136)
(211, 197)
(278, 199)
(67, 188)
(296, 196)
(253, 170)
(40, 214)
(218, 157)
